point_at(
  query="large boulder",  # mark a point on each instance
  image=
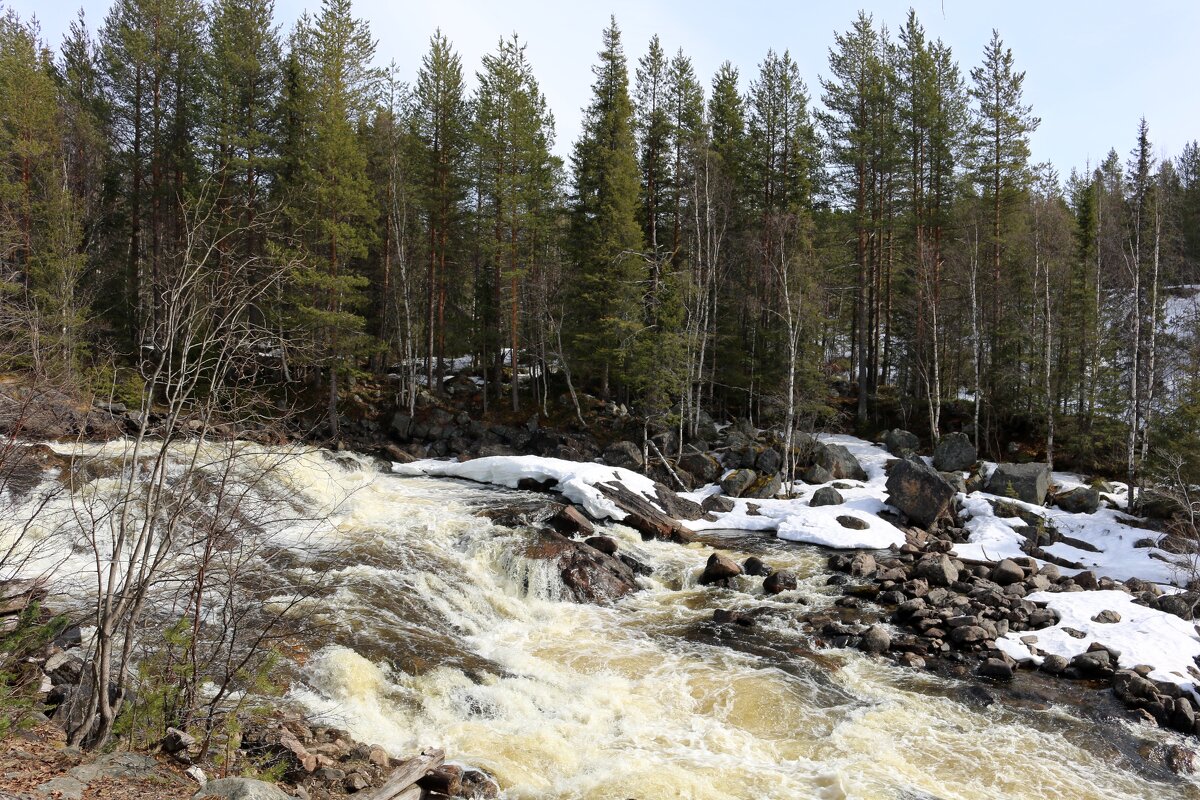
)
(1025, 482)
(700, 466)
(624, 454)
(241, 789)
(738, 481)
(826, 496)
(954, 453)
(840, 462)
(769, 461)
(588, 574)
(765, 487)
(1080, 500)
(918, 491)
(719, 568)
(937, 569)
(900, 442)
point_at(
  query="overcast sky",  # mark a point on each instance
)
(1093, 67)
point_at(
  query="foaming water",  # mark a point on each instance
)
(440, 631)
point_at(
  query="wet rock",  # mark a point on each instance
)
(1055, 664)
(937, 570)
(446, 780)
(900, 442)
(954, 453)
(638, 567)
(1025, 482)
(781, 581)
(1007, 572)
(738, 481)
(978, 696)
(588, 575)
(643, 516)
(755, 566)
(605, 544)
(1179, 759)
(720, 567)
(570, 521)
(911, 660)
(478, 785)
(717, 503)
(1108, 615)
(919, 492)
(1080, 500)
(996, 669)
(724, 616)
(826, 496)
(862, 565)
(876, 640)
(624, 454)
(1093, 664)
(852, 523)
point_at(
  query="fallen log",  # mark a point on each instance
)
(403, 780)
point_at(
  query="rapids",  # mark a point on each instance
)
(437, 631)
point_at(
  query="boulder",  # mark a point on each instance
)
(604, 544)
(701, 466)
(840, 462)
(1107, 615)
(937, 569)
(624, 454)
(900, 442)
(765, 487)
(1007, 572)
(738, 481)
(853, 523)
(996, 669)
(1080, 500)
(862, 564)
(720, 567)
(755, 566)
(816, 474)
(241, 789)
(918, 491)
(769, 461)
(1025, 482)
(826, 496)
(954, 453)
(589, 575)
(876, 640)
(717, 504)
(781, 581)
(956, 481)
(569, 520)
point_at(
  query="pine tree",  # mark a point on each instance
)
(607, 243)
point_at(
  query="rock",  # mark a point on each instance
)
(1182, 605)
(769, 461)
(605, 544)
(862, 565)
(570, 521)
(702, 466)
(954, 453)
(177, 741)
(674, 506)
(1094, 663)
(826, 496)
(724, 616)
(937, 569)
(1180, 760)
(1025, 482)
(624, 454)
(996, 670)
(781, 581)
(738, 481)
(401, 426)
(1107, 615)
(816, 474)
(956, 481)
(919, 492)
(1080, 500)
(720, 567)
(755, 566)
(1129, 686)
(478, 785)
(765, 487)
(195, 773)
(978, 696)
(378, 757)
(445, 780)
(840, 462)
(645, 517)
(900, 442)
(1055, 664)
(876, 640)
(1007, 572)
(241, 789)
(355, 782)
(588, 575)
(853, 523)
(717, 503)
(968, 634)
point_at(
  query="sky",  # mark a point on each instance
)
(1093, 67)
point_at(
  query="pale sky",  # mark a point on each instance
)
(1093, 67)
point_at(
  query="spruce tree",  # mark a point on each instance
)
(606, 239)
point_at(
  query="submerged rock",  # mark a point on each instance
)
(588, 574)
(720, 567)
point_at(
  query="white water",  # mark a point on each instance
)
(444, 634)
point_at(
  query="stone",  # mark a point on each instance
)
(402, 425)
(1107, 615)
(956, 481)
(378, 757)
(919, 492)
(1025, 482)
(570, 521)
(765, 487)
(720, 567)
(900, 442)
(995, 669)
(241, 789)
(624, 454)
(1182, 605)
(862, 565)
(702, 466)
(355, 782)
(769, 461)
(816, 474)
(954, 453)
(1054, 664)
(177, 741)
(717, 503)
(445, 780)
(876, 640)
(1080, 500)
(1094, 663)
(1007, 572)
(588, 575)
(840, 462)
(755, 566)
(738, 481)
(605, 544)
(937, 570)
(853, 523)
(968, 634)
(826, 496)
(781, 581)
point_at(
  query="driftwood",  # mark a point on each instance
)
(402, 783)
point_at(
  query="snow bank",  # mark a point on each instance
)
(576, 480)
(1143, 636)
